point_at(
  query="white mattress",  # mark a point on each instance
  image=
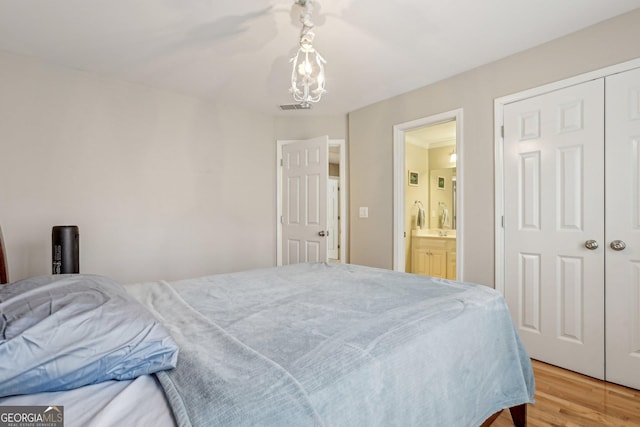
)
(139, 402)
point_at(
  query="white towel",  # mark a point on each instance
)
(445, 217)
(420, 220)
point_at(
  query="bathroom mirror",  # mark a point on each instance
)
(442, 197)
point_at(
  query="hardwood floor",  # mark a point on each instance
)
(564, 398)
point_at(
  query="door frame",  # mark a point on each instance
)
(399, 179)
(335, 180)
(498, 117)
(343, 197)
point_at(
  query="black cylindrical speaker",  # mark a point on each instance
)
(65, 249)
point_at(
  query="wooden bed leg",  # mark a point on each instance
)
(491, 419)
(519, 415)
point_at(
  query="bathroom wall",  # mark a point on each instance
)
(416, 159)
(441, 198)
(440, 165)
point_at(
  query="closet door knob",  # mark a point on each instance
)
(592, 245)
(618, 245)
(323, 233)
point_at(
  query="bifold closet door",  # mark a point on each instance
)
(623, 228)
(554, 225)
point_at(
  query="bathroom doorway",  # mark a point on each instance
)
(427, 175)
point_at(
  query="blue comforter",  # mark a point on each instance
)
(337, 345)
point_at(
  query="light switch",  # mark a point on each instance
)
(364, 212)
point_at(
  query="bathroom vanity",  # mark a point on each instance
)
(433, 253)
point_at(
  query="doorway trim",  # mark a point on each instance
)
(343, 197)
(498, 117)
(399, 131)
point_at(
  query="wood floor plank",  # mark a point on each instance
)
(567, 399)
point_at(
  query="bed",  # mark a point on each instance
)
(307, 344)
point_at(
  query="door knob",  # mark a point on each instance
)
(323, 233)
(591, 245)
(618, 245)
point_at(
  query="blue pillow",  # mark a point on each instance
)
(65, 331)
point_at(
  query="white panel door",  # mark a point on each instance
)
(554, 203)
(623, 223)
(305, 172)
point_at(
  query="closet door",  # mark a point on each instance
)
(623, 224)
(554, 204)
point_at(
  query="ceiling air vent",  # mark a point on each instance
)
(304, 106)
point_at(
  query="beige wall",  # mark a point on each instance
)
(371, 139)
(334, 170)
(298, 125)
(161, 185)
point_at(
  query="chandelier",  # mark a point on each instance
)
(307, 75)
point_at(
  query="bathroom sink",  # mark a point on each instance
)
(435, 233)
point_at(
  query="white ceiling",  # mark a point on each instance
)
(238, 52)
